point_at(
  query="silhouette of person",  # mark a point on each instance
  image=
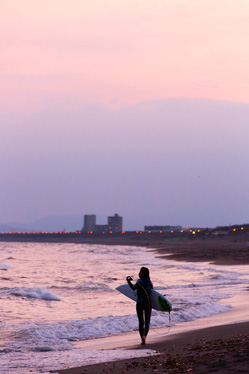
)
(143, 306)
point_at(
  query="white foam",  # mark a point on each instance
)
(85, 277)
(35, 293)
(60, 336)
(43, 362)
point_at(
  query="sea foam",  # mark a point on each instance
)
(35, 293)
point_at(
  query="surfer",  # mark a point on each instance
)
(143, 307)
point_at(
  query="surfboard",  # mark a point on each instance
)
(158, 301)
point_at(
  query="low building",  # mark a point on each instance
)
(100, 229)
(157, 228)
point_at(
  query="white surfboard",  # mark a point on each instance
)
(158, 301)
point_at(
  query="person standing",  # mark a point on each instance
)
(143, 306)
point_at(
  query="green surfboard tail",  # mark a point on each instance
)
(164, 305)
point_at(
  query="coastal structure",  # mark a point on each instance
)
(158, 228)
(115, 224)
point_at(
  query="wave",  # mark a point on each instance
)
(43, 363)
(94, 286)
(206, 285)
(4, 267)
(61, 336)
(34, 293)
(85, 287)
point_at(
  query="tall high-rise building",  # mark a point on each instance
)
(115, 223)
(89, 222)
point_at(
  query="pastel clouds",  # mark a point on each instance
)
(119, 52)
(125, 106)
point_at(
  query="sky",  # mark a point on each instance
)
(129, 106)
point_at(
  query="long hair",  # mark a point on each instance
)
(145, 273)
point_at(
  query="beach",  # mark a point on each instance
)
(230, 250)
(219, 343)
(221, 349)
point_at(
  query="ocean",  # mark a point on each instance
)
(55, 295)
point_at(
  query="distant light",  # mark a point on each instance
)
(198, 230)
(172, 231)
(234, 229)
(140, 232)
(242, 228)
(161, 232)
(149, 232)
(181, 230)
(136, 232)
(193, 232)
(110, 232)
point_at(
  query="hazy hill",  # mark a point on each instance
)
(52, 223)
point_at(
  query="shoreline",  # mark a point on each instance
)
(221, 349)
(232, 249)
(218, 343)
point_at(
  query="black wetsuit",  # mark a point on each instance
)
(143, 287)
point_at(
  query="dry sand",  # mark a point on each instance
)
(221, 348)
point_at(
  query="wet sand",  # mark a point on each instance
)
(218, 343)
(221, 349)
(230, 250)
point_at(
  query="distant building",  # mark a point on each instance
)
(115, 223)
(162, 228)
(89, 222)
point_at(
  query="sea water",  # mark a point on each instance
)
(55, 295)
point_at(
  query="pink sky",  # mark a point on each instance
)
(122, 51)
(135, 107)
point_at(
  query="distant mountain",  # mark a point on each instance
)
(51, 223)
